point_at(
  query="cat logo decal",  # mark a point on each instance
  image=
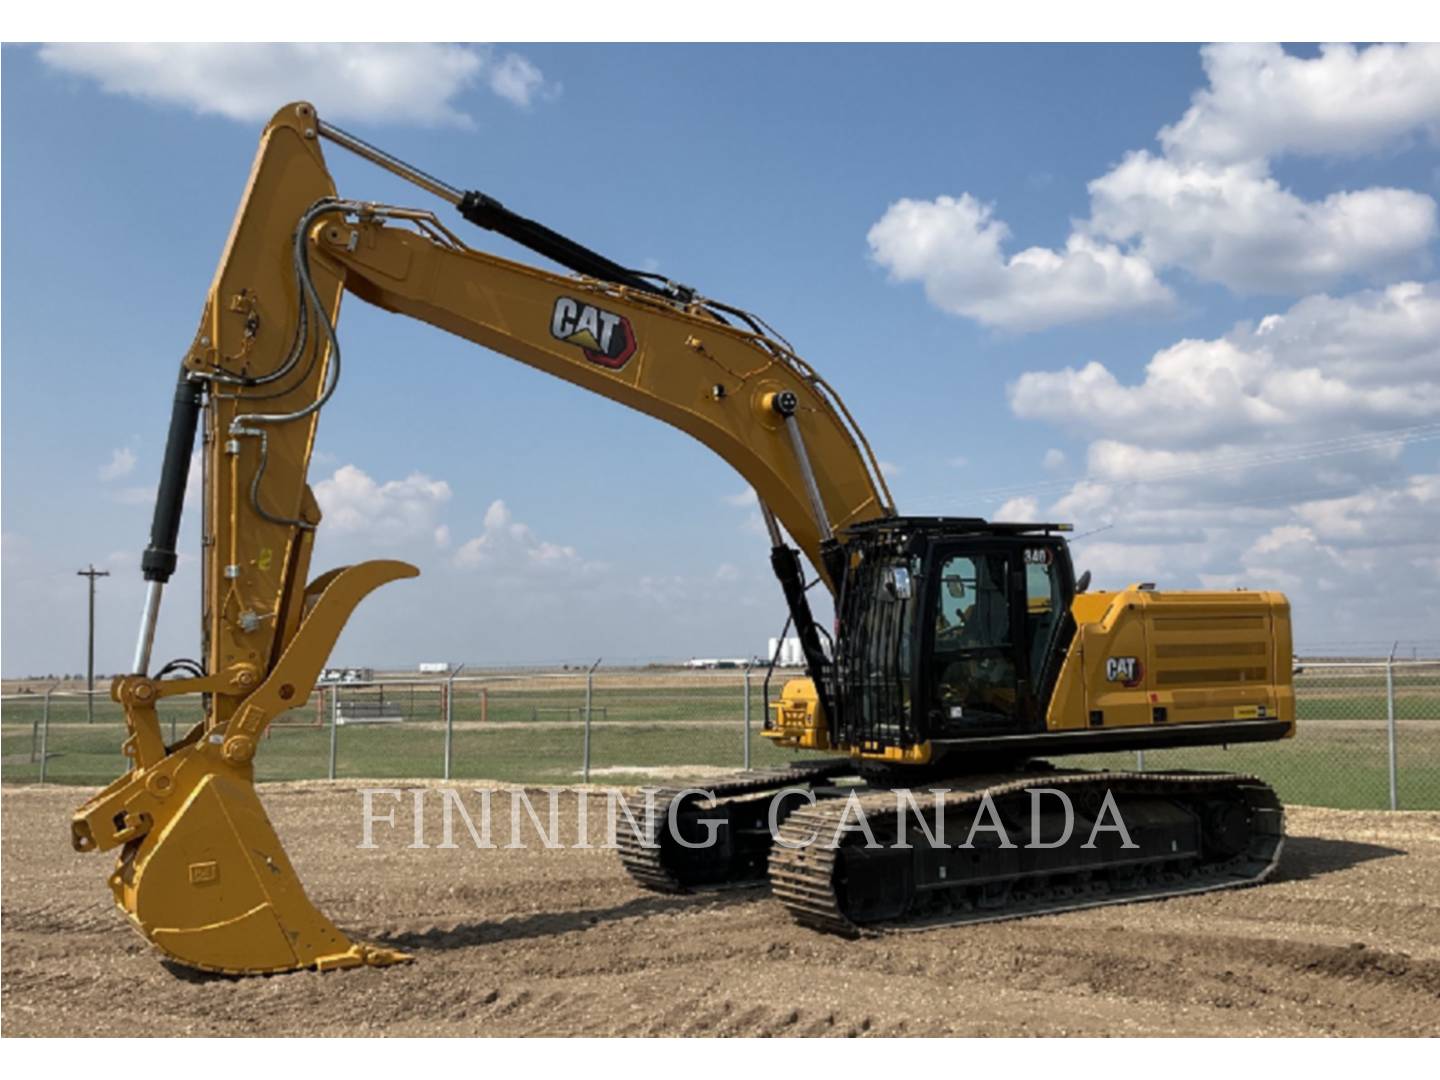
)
(1124, 669)
(605, 338)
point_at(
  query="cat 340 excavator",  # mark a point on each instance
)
(964, 653)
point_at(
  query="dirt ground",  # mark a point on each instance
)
(1346, 941)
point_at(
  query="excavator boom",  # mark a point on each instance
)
(201, 872)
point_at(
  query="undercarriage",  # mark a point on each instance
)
(849, 856)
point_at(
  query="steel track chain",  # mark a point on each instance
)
(802, 868)
(642, 855)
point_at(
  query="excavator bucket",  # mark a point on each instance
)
(201, 873)
(212, 887)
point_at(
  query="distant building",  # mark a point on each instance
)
(708, 663)
(347, 675)
(434, 667)
(786, 651)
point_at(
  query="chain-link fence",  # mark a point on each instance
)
(1368, 737)
(533, 727)
(1369, 732)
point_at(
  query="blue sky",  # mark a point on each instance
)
(1205, 331)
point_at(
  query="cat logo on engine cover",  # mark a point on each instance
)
(1124, 669)
(604, 337)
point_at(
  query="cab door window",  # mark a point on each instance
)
(973, 661)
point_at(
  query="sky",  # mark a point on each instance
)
(1185, 298)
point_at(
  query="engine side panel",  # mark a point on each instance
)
(1141, 657)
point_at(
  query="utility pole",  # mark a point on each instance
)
(92, 574)
(450, 714)
(589, 697)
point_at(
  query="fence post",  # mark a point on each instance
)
(589, 697)
(334, 724)
(44, 736)
(450, 716)
(1139, 760)
(747, 715)
(1390, 725)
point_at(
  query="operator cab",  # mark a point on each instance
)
(955, 627)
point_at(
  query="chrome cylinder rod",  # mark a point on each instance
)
(148, 618)
(817, 507)
(771, 525)
(391, 163)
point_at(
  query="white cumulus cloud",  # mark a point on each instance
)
(1207, 205)
(1410, 512)
(389, 513)
(1342, 570)
(1285, 454)
(1325, 368)
(121, 463)
(1263, 102)
(1234, 224)
(517, 80)
(954, 248)
(509, 551)
(379, 83)
(1020, 508)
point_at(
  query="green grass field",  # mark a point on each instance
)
(548, 753)
(531, 734)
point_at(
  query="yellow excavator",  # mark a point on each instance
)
(964, 652)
